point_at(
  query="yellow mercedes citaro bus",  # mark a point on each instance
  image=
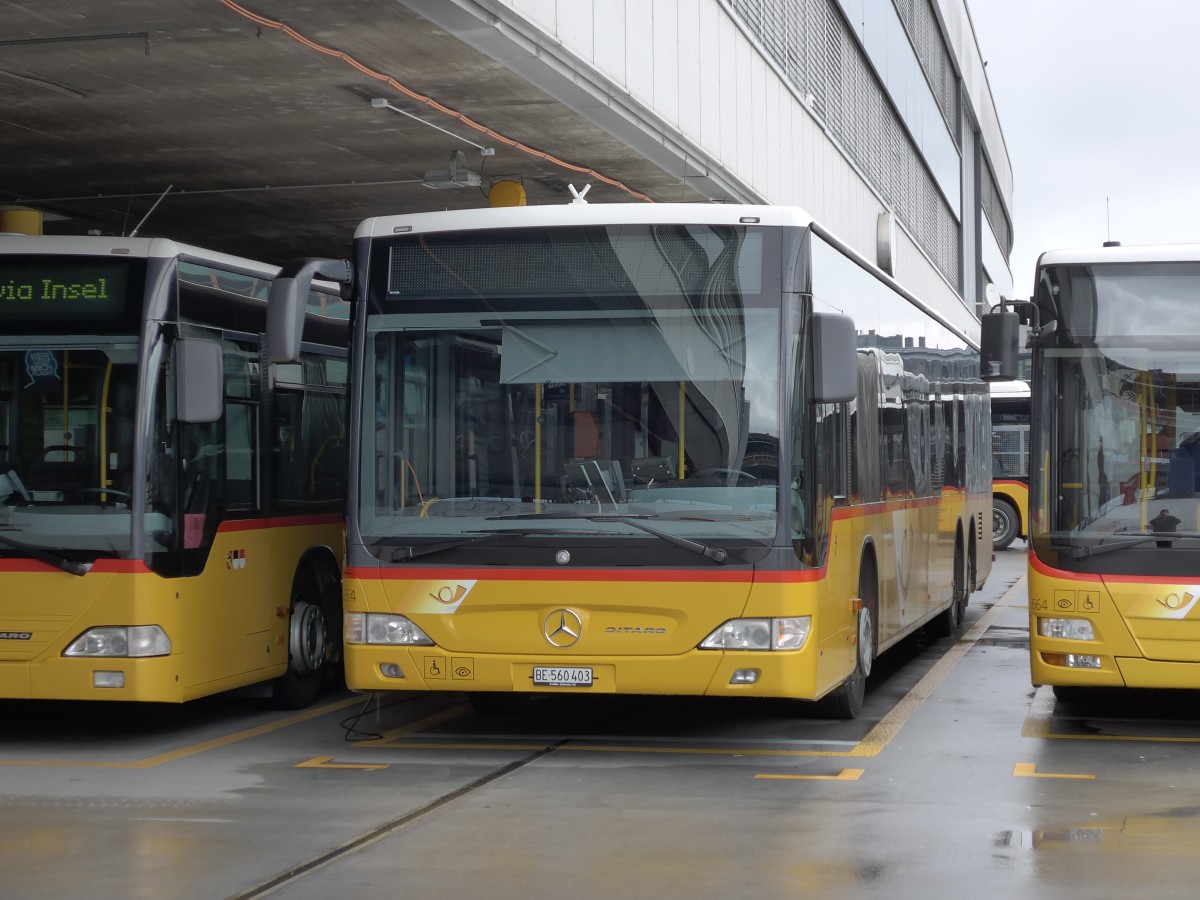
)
(1114, 490)
(649, 449)
(170, 508)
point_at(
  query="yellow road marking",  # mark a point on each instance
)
(844, 775)
(323, 762)
(181, 753)
(1027, 770)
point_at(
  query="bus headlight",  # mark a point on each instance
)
(1071, 629)
(120, 640)
(384, 628)
(760, 634)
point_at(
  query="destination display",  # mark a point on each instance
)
(66, 290)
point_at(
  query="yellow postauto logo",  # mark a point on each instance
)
(1166, 603)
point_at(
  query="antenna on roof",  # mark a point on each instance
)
(1108, 227)
(151, 210)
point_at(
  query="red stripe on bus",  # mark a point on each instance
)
(612, 575)
(279, 522)
(108, 566)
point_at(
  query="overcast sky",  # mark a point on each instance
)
(1098, 100)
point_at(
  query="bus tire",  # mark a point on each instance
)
(949, 621)
(846, 700)
(1004, 524)
(308, 644)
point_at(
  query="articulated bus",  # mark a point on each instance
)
(1114, 489)
(1010, 461)
(171, 519)
(648, 449)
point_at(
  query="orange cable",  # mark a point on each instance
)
(422, 98)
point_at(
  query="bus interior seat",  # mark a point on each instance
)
(60, 468)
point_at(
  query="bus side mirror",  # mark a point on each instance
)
(288, 302)
(199, 380)
(835, 358)
(998, 337)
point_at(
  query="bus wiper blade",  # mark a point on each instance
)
(716, 554)
(1163, 537)
(50, 559)
(404, 554)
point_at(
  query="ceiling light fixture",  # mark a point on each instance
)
(457, 175)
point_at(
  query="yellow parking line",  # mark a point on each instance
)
(324, 762)
(844, 775)
(1028, 770)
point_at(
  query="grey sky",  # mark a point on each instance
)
(1097, 99)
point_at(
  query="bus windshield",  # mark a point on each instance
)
(67, 414)
(1122, 444)
(647, 388)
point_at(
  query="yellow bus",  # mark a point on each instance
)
(171, 517)
(650, 449)
(1010, 462)
(1114, 523)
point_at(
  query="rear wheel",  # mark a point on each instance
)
(846, 700)
(949, 621)
(1004, 524)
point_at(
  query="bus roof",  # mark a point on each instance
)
(142, 248)
(1131, 254)
(1009, 389)
(580, 213)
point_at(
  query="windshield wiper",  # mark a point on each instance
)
(716, 554)
(1163, 538)
(404, 554)
(51, 559)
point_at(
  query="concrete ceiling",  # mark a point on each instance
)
(268, 140)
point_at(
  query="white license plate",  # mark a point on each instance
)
(562, 676)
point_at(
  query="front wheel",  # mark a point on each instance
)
(308, 647)
(846, 700)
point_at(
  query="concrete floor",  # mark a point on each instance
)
(959, 779)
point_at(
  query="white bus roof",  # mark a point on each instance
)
(1009, 389)
(141, 248)
(583, 214)
(1131, 254)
